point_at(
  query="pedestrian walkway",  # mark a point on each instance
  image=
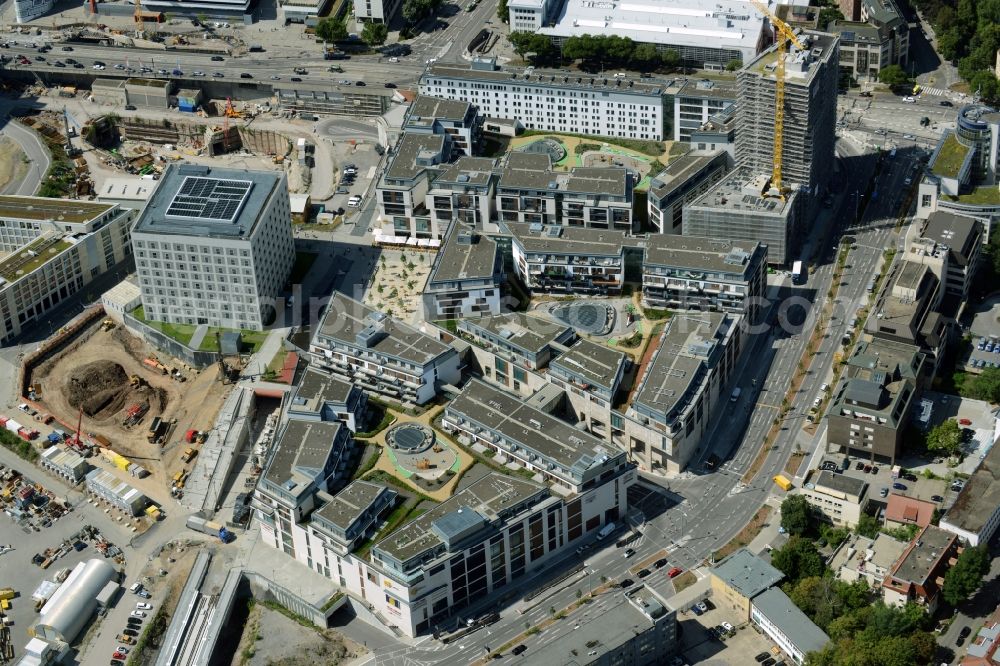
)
(198, 336)
(939, 92)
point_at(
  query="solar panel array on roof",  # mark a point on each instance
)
(209, 198)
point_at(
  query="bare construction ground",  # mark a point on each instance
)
(272, 639)
(96, 376)
(12, 161)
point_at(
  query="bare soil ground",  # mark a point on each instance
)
(12, 164)
(271, 639)
(95, 374)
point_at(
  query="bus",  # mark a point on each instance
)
(799, 272)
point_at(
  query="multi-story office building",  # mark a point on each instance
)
(683, 180)
(376, 11)
(906, 310)
(591, 375)
(873, 403)
(463, 191)
(465, 278)
(531, 191)
(887, 16)
(697, 101)
(861, 558)
(53, 249)
(718, 133)
(555, 102)
(637, 628)
(692, 273)
(402, 190)
(740, 577)
(975, 515)
(961, 177)
(214, 246)
(810, 113)
(916, 577)
(865, 50)
(838, 498)
(433, 115)
(571, 260)
(950, 245)
(682, 390)
(736, 208)
(323, 396)
(784, 623)
(380, 354)
(529, 15)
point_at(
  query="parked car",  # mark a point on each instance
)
(898, 486)
(937, 498)
(130, 632)
(142, 605)
(217, 58)
(761, 657)
(728, 627)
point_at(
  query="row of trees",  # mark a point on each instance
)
(601, 50)
(968, 31)
(415, 11)
(335, 30)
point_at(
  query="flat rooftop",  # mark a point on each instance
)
(840, 484)
(949, 156)
(56, 210)
(695, 23)
(528, 332)
(317, 387)
(348, 505)
(414, 154)
(467, 172)
(485, 70)
(573, 241)
(922, 555)
(686, 346)
(680, 170)
(554, 440)
(595, 364)
(606, 181)
(466, 255)
(700, 255)
(746, 573)
(708, 88)
(801, 66)
(32, 256)
(345, 318)
(902, 294)
(979, 499)
(790, 621)
(425, 107)
(742, 190)
(201, 201)
(302, 447)
(957, 232)
(491, 497)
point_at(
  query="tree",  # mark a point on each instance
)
(374, 34)
(945, 438)
(893, 75)
(502, 12)
(828, 15)
(331, 30)
(670, 58)
(530, 42)
(797, 515)
(798, 559)
(965, 577)
(646, 55)
(734, 65)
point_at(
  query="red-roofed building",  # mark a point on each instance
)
(982, 650)
(902, 510)
(919, 572)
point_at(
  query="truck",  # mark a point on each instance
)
(606, 531)
(27, 434)
(782, 482)
(53, 438)
(799, 272)
(155, 364)
(189, 454)
(210, 527)
(735, 395)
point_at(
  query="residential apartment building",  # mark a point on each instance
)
(861, 558)
(782, 621)
(739, 208)
(718, 133)
(697, 101)
(463, 192)
(380, 354)
(214, 246)
(906, 310)
(873, 404)
(554, 102)
(54, 248)
(591, 375)
(638, 628)
(683, 180)
(531, 191)
(457, 119)
(343, 521)
(708, 274)
(838, 498)
(568, 260)
(465, 277)
(975, 515)
(401, 193)
(740, 577)
(682, 390)
(902, 510)
(917, 574)
(810, 115)
(951, 245)
(323, 396)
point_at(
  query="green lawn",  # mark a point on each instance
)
(252, 340)
(987, 194)
(180, 332)
(950, 157)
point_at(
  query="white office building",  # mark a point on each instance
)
(54, 248)
(214, 246)
(555, 102)
(376, 11)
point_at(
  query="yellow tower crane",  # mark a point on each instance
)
(783, 35)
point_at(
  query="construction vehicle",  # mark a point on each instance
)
(179, 478)
(189, 454)
(154, 429)
(783, 35)
(108, 325)
(199, 524)
(230, 111)
(154, 363)
(35, 392)
(7, 593)
(135, 381)
(230, 374)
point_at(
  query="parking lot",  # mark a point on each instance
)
(881, 484)
(701, 643)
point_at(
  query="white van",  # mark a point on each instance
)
(354, 202)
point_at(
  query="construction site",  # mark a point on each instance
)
(139, 405)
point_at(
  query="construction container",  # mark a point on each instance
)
(12, 425)
(7, 593)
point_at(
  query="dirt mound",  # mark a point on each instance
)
(94, 385)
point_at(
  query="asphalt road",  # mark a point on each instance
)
(37, 154)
